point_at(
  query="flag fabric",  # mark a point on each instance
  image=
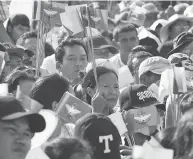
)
(103, 16)
(70, 108)
(173, 81)
(125, 77)
(74, 25)
(4, 89)
(49, 13)
(117, 120)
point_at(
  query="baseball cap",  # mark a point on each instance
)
(11, 108)
(99, 43)
(138, 96)
(101, 134)
(154, 64)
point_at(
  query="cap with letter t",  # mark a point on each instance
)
(101, 134)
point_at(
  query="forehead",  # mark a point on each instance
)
(127, 35)
(31, 41)
(75, 50)
(108, 78)
(15, 58)
(21, 26)
(18, 123)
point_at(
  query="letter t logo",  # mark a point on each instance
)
(106, 138)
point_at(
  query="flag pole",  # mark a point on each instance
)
(91, 47)
(40, 38)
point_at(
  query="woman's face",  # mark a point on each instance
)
(179, 27)
(108, 85)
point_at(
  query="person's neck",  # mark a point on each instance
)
(123, 58)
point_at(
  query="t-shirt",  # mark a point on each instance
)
(49, 64)
(116, 60)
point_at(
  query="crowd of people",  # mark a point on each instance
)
(123, 72)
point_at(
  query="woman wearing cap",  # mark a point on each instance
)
(176, 25)
(104, 94)
(183, 43)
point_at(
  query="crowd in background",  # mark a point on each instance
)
(144, 40)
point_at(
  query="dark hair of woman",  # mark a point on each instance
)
(89, 79)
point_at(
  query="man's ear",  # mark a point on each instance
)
(58, 66)
(90, 92)
(116, 44)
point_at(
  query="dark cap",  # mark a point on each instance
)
(99, 43)
(138, 96)
(11, 109)
(101, 134)
(180, 42)
(19, 19)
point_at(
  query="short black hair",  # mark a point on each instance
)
(25, 36)
(15, 77)
(108, 34)
(60, 50)
(48, 89)
(146, 48)
(136, 54)
(19, 19)
(64, 148)
(89, 79)
(48, 49)
(122, 28)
